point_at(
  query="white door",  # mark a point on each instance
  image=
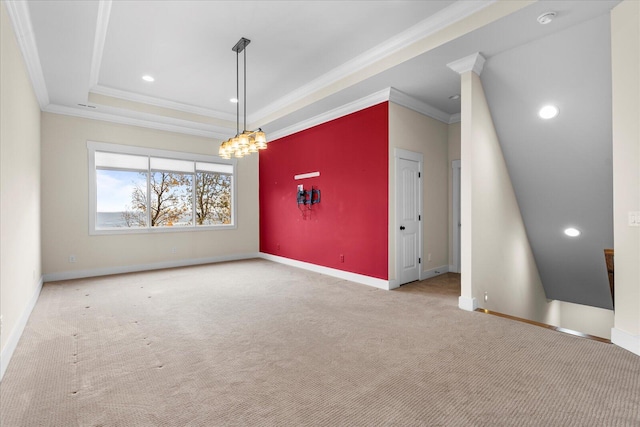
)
(408, 220)
(455, 220)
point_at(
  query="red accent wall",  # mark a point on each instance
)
(352, 155)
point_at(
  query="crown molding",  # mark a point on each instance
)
(444, 18)
(21, 19)
(158, 102)
(142, 120)
(388, 94)
(357, 105)
(408, 101)
(455, 118)
(169, 124)
(474, 62)
(102, 24)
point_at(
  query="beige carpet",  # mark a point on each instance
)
(255, 343)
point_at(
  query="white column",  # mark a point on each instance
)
(467, 66)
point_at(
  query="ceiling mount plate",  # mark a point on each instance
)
(242, 43)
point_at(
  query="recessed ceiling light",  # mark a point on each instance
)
(148, 78)
(572, 232)
(454, 97)
(234, 100)
(548, 112)
(546, 17)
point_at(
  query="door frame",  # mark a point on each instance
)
(455, 216)
(400, 153)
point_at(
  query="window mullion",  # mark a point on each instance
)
(193, 198)
(148, 193)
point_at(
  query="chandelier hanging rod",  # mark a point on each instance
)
(238, 48)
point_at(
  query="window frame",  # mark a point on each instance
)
(93, 147)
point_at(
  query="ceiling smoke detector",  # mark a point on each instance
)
(546, 17)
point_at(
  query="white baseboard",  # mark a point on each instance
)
(626, 340)
(80, 274)
(353, 277)
(468, 304)
(346, 275)
(427, 274)
(16, 332)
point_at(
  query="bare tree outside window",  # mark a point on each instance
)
(213, 198)
(171, 200)
(134, 218)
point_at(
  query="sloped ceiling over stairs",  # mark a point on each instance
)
(561, 169)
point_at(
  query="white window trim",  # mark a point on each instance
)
(93, 146)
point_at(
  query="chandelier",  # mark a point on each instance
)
(247, 141)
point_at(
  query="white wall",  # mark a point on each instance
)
(416, 132)
(65, 204)
(625, 53)
(20, 270)
(583, 318)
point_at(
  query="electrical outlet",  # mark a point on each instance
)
(72, 258)
(428, 257)
(341, 258)
(174, 250)
(278, 246)
(634, 219)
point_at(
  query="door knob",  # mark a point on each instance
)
(402, 227)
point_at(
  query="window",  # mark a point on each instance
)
(138, 190)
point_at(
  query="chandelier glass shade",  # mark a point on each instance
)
(243, 144)
(247, 141)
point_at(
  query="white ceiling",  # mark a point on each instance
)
(186, 46)
(105, 47)
(81, 49)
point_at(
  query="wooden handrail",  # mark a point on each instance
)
(608, 257)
